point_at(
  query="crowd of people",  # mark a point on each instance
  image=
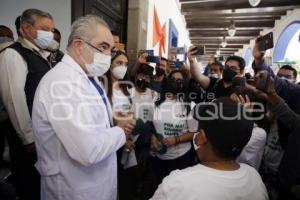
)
(88, 125)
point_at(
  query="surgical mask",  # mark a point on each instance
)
(214, 75)
(228, 74)
(54, 46)
(196, 147)
(119, 71)
(99, 66)
(159, 71)
(44, 39)
(5, 39)
(174, 86)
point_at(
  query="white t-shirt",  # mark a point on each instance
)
(143, 104)
(253, 152)
(120, 102)
(170, 119)
(202, 183)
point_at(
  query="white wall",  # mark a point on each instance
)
(59, 9)
(167, 9)
(279, 27)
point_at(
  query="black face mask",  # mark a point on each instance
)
(142, 84)
(159, 71)
(228, 75)
(174, 86)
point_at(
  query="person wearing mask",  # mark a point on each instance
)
(6, 37)
(171, 139)
(253, 152)
(119, 96)
(216, 70)
(219, 176)
(22, 66)
(289, 174)
(55, 54)
(76, 136)
(214, 87)
(288, 72)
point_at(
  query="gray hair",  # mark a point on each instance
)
(30, 15)
(85, 27)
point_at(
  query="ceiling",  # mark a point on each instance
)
(208, 21)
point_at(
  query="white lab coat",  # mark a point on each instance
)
(75, 145)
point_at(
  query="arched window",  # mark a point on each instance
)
(288, 45)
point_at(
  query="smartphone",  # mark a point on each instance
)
(149, 52)
(200, 50)
(178, 64)
(153, 59)
(262, 83)
(266, 42)
(120, 46)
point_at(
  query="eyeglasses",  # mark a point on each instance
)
(101, 51)
(234, 68)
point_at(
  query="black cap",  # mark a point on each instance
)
(145, 69)
(225, 124)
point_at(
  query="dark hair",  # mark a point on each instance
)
(30, 15)
(115, 33)
(164, 59)
(56, 31)
(116, 54)
(5, 31)
(18, 25)
(219, 64)
(289, 67)
(124, 87)
(239, 59)
(163, 92)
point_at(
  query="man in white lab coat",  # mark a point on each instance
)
(76, 140)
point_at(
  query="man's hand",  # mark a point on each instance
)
(129, 145)
(127, 124)
(257, 54)
(192, 54)
(154, 143)
(245, 101)
(169, 141)
(142, 59)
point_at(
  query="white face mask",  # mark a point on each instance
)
(5, 39)
(44, 39)
(196, 147)
(100, 64)
(215, 76)
(119, 71)
(54, 46)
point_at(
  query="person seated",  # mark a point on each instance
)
(219, 176)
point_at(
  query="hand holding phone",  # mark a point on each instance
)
(265, 42)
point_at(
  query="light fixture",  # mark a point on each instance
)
(231, 29)
(218, 52)
(254, 3)
(224, 43)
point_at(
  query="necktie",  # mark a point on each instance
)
(100, 91)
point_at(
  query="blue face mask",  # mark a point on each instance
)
(44, 39)
(5, 39)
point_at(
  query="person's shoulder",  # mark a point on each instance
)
(184, 173)
(259, 133)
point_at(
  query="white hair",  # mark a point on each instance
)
(85, 28)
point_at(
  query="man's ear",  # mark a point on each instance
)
(201, 140)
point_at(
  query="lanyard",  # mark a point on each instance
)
(100, 91)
